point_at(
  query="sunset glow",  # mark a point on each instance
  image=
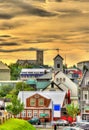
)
(27, 24)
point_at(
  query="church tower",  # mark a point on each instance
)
(39, 56)
(58, 63)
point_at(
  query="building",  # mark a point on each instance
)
(74, 74)
(82, 64)
(66, 84)
(9, 83)
(27, 73)
(39, 59)
(58, 63)
(84, 96)
(37, 103)
(4, 72)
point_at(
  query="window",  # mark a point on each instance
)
(41, 112)
(29, 113)
(35, 113)
(64, 79)
(23, 113)
(57, 79)
(85, 95)
(41, 102)
(58, 65)
(32, 102)
(60, 80)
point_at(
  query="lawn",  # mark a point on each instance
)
(16, 124)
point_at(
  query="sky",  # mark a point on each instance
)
(30, 25)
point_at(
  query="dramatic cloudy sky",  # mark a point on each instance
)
(29, 25)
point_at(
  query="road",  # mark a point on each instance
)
(48, 127)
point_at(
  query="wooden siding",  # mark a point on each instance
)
(37, 97)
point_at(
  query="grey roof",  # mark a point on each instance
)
(58, 56)
(46, 76)
(83, 62)
(85, 76)
(56, 97)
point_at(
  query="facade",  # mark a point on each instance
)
(26, 73)
(39, 59)
(37, 103)
(58, 63)
(84, 96)
(4, 72)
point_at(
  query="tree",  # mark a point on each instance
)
(72, 110)
(15, 71)
(5, 90)
(21, 86)
(15, 107)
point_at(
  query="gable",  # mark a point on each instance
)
(58, 57)
(37, 100)
(61, 78)
(53, 87)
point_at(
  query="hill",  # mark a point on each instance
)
(16, 124)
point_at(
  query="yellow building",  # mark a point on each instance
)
(4, 71)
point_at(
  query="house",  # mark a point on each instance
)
(66, 84)
(4, 72)
(83, 64)
(27, 73)
(74, 74)
(84, 96)
(57, 82)
(38, 102)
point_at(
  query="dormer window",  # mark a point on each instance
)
(60, 80)
(57, 79)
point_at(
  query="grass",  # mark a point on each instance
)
(16, 124)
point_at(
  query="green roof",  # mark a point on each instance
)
(42, 85)
(31, 81)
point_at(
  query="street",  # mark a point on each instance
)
(48, 127)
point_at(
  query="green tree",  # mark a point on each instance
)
(72, 110)
(21, 86)
(5, 90)
(15, 71)
(15, 107)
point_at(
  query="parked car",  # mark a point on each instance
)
(84, 126)
(62, 122)
(72, 128)
(34, 121)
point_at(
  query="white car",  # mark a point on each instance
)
(72, 128)
(62, 122)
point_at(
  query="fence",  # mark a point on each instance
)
(4, 117)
